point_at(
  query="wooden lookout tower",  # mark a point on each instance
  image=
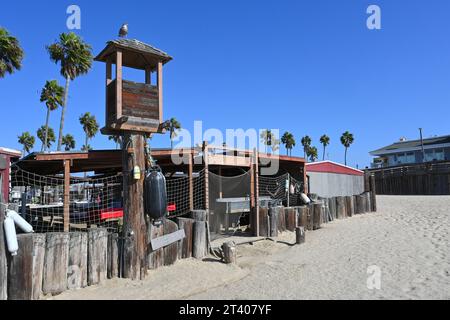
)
(132, 106)
(133, 110)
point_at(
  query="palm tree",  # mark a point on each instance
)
(27, 141)
(173, 127)
(313, 154)
(48, 138)
(306, 143)
(75, 57)
(325, 141)
(52, 95)
(68, 142)
(117, 139)
(347, 139)
(11, 54)
(269, 139)
(289, 142)
(90, 128)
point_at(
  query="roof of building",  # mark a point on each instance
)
(137, 54)
(413, 145)
(332, 167)
(10, 152)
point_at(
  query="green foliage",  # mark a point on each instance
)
(50, 136)
(11, 54)
(27, 141)
(68, 142)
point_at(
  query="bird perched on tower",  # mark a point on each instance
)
(123, 32)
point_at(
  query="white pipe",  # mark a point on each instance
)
(11, 237)
(19, 221)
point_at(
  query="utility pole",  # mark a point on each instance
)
(421, 143)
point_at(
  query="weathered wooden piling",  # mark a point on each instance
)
(3, 263)
(350, 206)
(77, 263)
(281, 220)
(300, 235)
(56, 263)
(291, 218)
(303, 212)
(185, 247)
(360, 204)
(229, 252)
(367, 201)
(340, 208)
(97, 256)
(274, 213)
(310, 218)
(155, 257)
(113, 256)
(25, 270)
(373, 193)
(199, 248)
(317, 215)
(332, 207)
(264, 222)
(199, 215)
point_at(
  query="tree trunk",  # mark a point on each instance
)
(345, 155)
(63, 113)
(323, 153)
(44, 146)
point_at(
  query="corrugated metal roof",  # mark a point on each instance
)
(332, 167)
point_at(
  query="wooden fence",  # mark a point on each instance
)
(51, 263)
(417, 179)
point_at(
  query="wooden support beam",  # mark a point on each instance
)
(205, 159)
(191, 183)
(134, 224)
(66, 195)
(148, 75)
(256, 192)
(119, 75)
(160, 90)
(3, 264)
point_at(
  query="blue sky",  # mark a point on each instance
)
(309, 67)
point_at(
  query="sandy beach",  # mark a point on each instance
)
(407, 239)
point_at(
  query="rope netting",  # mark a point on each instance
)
(93, 201)
(282, 190)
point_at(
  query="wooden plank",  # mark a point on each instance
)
(3, 261)
(167, 239)
(155, 258)
(113, 256)
(66, 195)
(97, 256)
(134, 224)
(256, 172)
(185, 248)
(77, 265)
(56, 262)
(191, 182)
(25, 269)
(199, 248)
(291, 218)
(206, 163)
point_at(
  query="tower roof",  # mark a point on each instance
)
(136, 54)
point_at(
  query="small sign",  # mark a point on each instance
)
(167, 239)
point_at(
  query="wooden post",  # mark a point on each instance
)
(25, 271)
(56, 263)
(155, 257)
(310, 217)
(191, 183)
(291, 218)
(108, 82)
(205, 159)
(119, 84)
(229, 252)
(66, 195)
(317, 215)
(77, 266)
(148, 75)
(340, 207)
(160, 90)
(113, 256)
(97, 256)
(332, 207)
(199, 215)
(134, 224)
(185, 248)
(300, 235)
(255, 225)
(274, 213)
(3, 264)
(360, 204)
(303, 216)
(264, 222)
(199, 240)
(373, 192)
(350, 206)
